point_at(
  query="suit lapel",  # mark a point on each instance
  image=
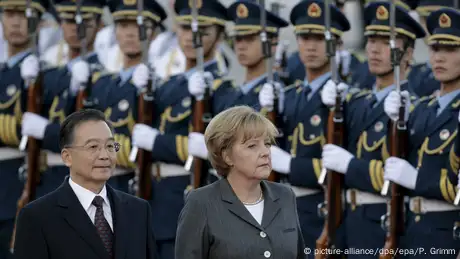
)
(78, 219)
(271, 205)
(234, 205)
(120, 223)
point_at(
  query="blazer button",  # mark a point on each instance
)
(262, 234)
(267, 254)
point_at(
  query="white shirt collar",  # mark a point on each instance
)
(86, 196)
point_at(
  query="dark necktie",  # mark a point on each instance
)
(372, 101)
(432, 113)
(103, 227)
(306, 91)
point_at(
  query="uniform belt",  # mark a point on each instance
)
(302, 191)
(7, 153)
(168, 170)
(420, 205)
(356, 198)
(54, 159)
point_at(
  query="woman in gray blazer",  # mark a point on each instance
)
(242, 215)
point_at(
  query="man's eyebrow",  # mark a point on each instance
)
(97, 140)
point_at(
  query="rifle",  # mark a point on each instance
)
(202, 111)
(34, 105)
(272, 115)
(332, 208)
(142, 184)
(281, 59)
(398, 143)
(83, 95)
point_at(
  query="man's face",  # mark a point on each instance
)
(70, 32)
(209, 37)
(127, 33)
(248, 49)
(445, 62)
(15, 27)
(312, 50)
(378, 52)
(92, 155)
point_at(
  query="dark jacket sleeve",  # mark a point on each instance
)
(30, 241)
(300, 240)
(192, 240)
(152, 251)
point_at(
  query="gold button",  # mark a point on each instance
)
(417, 218)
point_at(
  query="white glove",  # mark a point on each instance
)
(329, 92)
(336, 158)
(33, 125)
(80, 76)
(401, 172)
(459, 117)
(343, 57)
(197, 146)
(30, 68)
(140, 76)
(144, 136)
(267, 96)
(281, 160)
(198, 82)
(392, 104)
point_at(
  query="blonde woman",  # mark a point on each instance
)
(242, 215)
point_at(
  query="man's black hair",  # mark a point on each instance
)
(66, 133)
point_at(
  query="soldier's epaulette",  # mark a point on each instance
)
(456, 104)
(296, 85)
(424, 99)
(356, 93)
(361, 57)
(47, 67)
(100, 74)
(218, 83)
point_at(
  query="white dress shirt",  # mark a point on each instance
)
(86, 198)
(257, 211)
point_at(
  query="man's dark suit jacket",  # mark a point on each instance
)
(57, 227)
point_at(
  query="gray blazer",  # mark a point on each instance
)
(214, 224)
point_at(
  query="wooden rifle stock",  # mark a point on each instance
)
(144, 157)
(83, 95)
(34, 105)
(272, 116)
(201, 118)
(398, 148)
(327, 239)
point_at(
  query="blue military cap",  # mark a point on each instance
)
(377, 20)
(127, 10)
(308, 17)
(210, 12)
(425, 7)
(246, 16)
(444, 27)
(41, 6)
(66, 9)
(405, 4)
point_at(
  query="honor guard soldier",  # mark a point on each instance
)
(62, 84)
(116, 94)
(350, 63)
(248, 49)
(433, 126)
(167, 138)
(421, 75)
(366, 125)
(13, 94)
(305, 116)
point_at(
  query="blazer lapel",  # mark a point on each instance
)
(120, 223)
(78, 219)
(271, 205)
(234, 205)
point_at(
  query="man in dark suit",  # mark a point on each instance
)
(85, 217)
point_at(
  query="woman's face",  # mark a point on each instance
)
(250, 158)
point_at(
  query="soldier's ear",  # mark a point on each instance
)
(66, 157)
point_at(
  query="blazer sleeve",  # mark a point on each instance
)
(152, 251)
(300, 241)
(30, 240)
(192, 240)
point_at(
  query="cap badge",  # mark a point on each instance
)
(444, 21)
(314, 10)
(242, 11)
(382, 13)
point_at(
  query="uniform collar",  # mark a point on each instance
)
(125, 75)
(14, 60)
(446, 99)
(317, 83)
(382, 93)
(86, 196)
(247, 87)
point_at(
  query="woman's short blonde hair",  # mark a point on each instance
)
(240, 122)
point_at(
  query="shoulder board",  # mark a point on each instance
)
(361, 57)
(456, 104)
(217, 83)
(297, 84)
(99, 74)
(48, 67)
